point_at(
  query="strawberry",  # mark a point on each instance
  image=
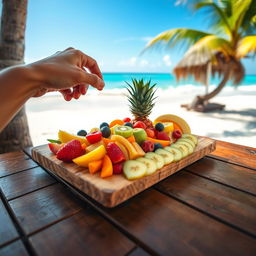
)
(70, 150)
(150, 132)
(94, 137)
(127, 119)
(140, 124)
(162, 136)
(115, 153)
(55, 147)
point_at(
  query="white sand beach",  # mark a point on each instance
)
(236, 124)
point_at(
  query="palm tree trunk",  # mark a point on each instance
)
(200, 102)
(13, 24)
(218, 89)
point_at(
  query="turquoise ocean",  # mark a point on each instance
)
(163, 80)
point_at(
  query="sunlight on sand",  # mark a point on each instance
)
(237, 123)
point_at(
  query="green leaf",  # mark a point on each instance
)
(54, 141)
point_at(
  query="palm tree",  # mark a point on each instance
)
(13, 24)
(233, 23)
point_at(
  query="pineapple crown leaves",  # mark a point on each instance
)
(141, 97)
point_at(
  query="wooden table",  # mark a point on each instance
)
(208, 208)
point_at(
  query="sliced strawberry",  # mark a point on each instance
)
(70, 150)
(162, 136)
(140, 124)
(127, 119)
(55, 147)
(94, 137)
(115, 153)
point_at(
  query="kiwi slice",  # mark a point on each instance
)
(151, 165)
(159, 160)
(187, 145)
(134, 169)
(182, 148)
(190, 137)
(176, 153)
(168, 157)
(139, 134)
(125, 131)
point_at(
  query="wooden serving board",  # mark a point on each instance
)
(116, 189)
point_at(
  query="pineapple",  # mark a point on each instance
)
(142, 100)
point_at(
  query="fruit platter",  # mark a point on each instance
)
(117, 159)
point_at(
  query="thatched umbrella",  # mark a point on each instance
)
(234, 22)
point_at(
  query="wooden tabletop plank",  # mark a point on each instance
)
(14, 162)
(226, 173)
(234, 153)
(225, 203)
(170, 227)
(8, 231)
(16, 248)
(85, 233)
(24, 182)
(44, 207)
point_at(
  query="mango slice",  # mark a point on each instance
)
(132, 152)
(66, 137)
(96, 154)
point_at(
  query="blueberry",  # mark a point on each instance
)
(157, 146)
(104, 124)
(82, 133)
(128, 124)
(105, 130)
(159, 127)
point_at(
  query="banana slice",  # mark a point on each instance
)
(182, 148)
(168, 156)
(151, 165)
(190, 137)
(188, 141)
(176, 153)
(134, 169)
(159, 160)
(187, 145)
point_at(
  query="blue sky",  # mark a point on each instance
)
(114, 32)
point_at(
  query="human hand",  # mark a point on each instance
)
(65, 71)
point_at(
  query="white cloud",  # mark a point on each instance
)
(134, 62)
(130, 62)
(167, 61)
(143, 63)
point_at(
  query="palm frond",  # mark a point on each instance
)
(209, 45)
(239, 10)
(182, 36)
(246, 46)
(249, 22)
(217, 14)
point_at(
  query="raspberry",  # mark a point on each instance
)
(176, 134)
(147, 146)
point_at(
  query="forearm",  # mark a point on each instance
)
(17, 85)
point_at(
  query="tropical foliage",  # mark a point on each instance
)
(232, 37)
